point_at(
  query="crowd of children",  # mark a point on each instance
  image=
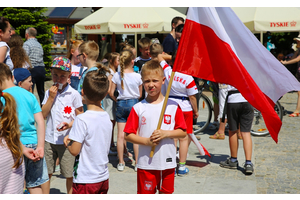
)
(82, 106)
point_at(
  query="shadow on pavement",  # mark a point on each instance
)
(55, 191)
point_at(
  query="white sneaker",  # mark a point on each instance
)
(120, 167)
(135, 168)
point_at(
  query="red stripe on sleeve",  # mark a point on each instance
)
(132, 122)
(179, 120)
(191, 85)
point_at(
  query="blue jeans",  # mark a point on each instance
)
(124, 108)
(36, 173)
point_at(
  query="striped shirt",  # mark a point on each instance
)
(35, 52)
(11, 179)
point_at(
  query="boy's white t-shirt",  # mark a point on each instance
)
(144, 119)
(93, 130)
(131, 82)
(183, 85)
(235, 98)
(62, 110)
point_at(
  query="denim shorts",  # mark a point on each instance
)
(36, 173)
(124, 108)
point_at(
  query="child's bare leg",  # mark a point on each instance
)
(120, 141)
(35, 190)
(183, 149)
(46, 186)
(233, 143)
(69, 182)
(247, 142)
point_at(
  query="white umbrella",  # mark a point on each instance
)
(273, 19)
(126, 20)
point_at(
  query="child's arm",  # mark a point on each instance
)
(193, 101)
(158, 135)
(163, 56)
(73, 146)
(3, 51)
(30, 153)
(136, 139)
(112, 90)
(40, 128)
(65, 125)
(47, 106)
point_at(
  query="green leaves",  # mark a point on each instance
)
(23, 17)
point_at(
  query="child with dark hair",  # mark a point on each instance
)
(90, 140)
(5, 34)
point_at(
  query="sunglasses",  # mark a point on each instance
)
(79, 55)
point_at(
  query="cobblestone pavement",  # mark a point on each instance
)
(277, 169)
(276, 165)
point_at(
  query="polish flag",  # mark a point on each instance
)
(216, 46)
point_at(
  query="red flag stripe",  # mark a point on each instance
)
(197, 49)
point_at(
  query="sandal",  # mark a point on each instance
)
(294, 115)
(217, 136)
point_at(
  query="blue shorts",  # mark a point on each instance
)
(124, 108)
(36, 173)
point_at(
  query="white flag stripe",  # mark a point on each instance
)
(270, 75)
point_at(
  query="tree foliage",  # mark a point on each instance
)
(23, 17)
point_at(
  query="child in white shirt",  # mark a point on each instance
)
(129, 86)
(60, 105)
(90, 140)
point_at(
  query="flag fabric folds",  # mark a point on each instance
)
(215, 45)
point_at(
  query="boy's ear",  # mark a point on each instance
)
(164, 78)
(19, 84)
(70, 74)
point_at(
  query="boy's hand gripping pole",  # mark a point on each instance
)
(163, 109)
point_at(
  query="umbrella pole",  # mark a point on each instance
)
(135, 41)
(163, 109)
(261, 37)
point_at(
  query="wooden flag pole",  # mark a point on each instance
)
(163, 109)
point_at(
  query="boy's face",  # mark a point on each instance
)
(145, 52)
(60, 76)
(80, 56)
(26, 84)
(153, 81)
(75, 53)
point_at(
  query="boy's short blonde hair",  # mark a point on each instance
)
(144, 42)
(156, 49)
(152, 66)
(90, 48)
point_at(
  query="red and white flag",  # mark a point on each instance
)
(215, 45)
